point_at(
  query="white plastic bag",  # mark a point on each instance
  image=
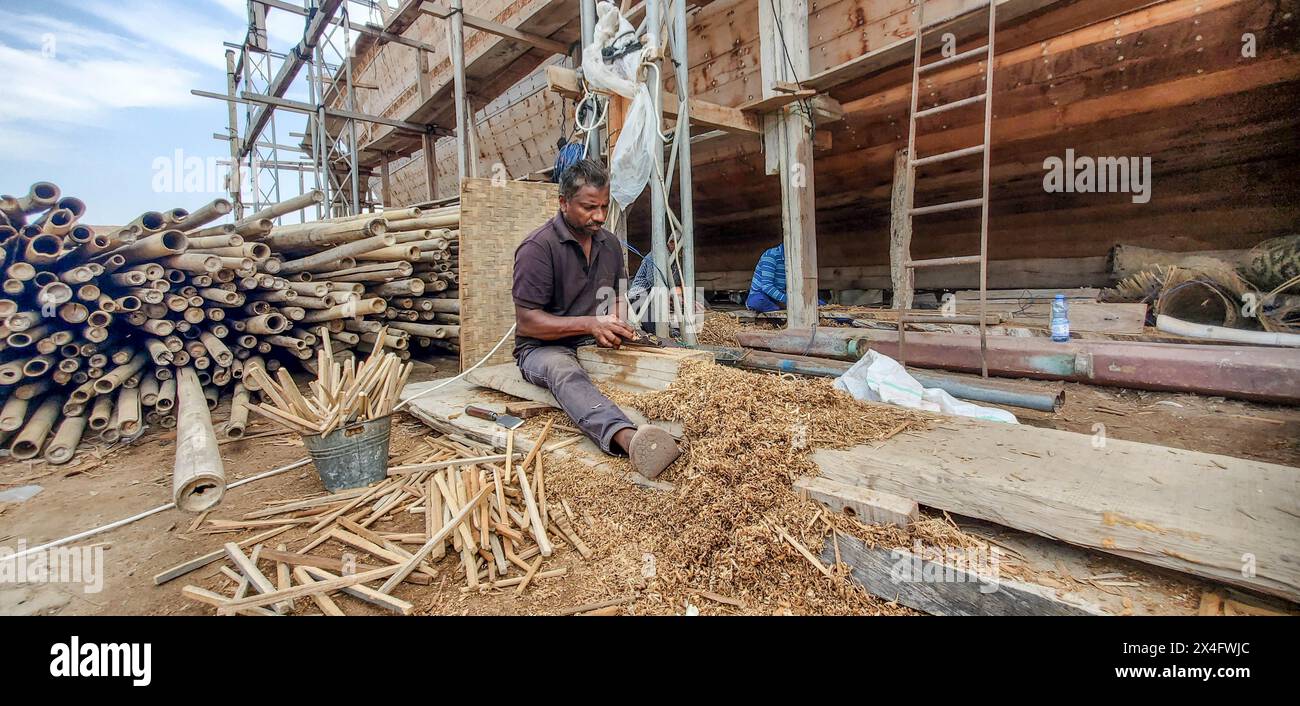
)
(879, 378)
(620, 75)
(632, 163)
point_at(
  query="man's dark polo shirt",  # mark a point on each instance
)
(552, 274)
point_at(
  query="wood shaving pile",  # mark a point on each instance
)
(719, 329)
(713, 542)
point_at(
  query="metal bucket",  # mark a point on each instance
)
(353, 456)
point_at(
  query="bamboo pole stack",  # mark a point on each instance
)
(95, 327)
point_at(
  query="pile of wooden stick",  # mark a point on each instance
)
(481, 515)
(341, 394)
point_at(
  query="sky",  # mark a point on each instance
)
(96, 99)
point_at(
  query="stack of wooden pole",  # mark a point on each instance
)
(96, 327)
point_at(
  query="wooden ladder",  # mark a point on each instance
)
(914, 161)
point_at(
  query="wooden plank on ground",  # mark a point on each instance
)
(870, 507)
(1204, 514)
(942, 587)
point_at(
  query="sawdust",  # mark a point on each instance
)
(719, 329)
(713, 543)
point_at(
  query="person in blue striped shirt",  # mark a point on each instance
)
(767, 288)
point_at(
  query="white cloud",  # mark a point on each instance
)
(82, 91)
(174, 27)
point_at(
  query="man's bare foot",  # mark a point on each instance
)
(623, 439)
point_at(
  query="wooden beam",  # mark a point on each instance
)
(939, 586)
(775, 102)
(900, 236)
(500, 30)
(900, 51)
(1227, 519)
(785, 58)
(703, 113)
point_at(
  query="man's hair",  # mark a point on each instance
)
(585, 172)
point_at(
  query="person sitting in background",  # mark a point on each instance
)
(767, 288)
(647, 276)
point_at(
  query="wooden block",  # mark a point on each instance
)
(329, 564)
(869, 506)
(524, 410)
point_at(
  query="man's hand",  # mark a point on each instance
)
(610, 331)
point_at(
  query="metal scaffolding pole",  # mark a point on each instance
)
(658, 217)
(686, 211)
(593, 139)
(456, 40)
(236, 179)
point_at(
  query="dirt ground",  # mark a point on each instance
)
(106, 484)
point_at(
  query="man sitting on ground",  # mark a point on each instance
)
(566, 293)
(767, 287)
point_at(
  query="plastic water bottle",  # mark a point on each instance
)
(1060, 319)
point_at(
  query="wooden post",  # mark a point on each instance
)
(471, 139)
(900, 236)
(387, 196)
(790, 132)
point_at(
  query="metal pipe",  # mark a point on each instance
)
(976, 392)
(199, 478)
(685, 187)
(658, 218)
(1241, 372)
(456, 40)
